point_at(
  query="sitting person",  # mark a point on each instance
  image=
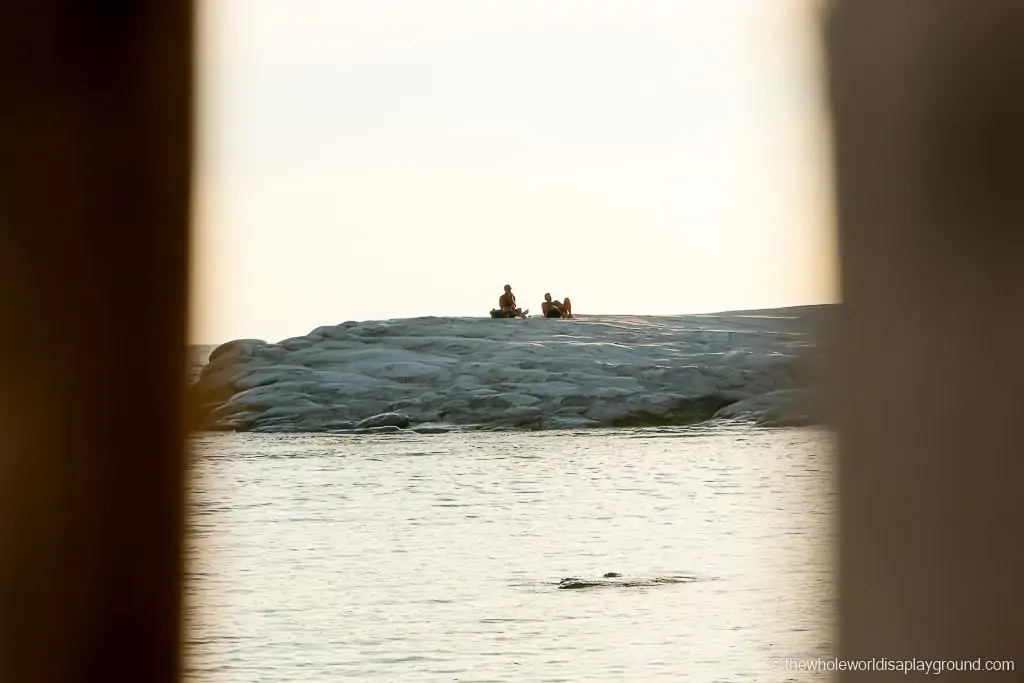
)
(556, 309)
(507, 303)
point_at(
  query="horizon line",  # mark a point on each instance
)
(733, 311)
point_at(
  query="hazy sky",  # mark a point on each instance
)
(373, 159)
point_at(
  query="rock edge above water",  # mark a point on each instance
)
(592, 371)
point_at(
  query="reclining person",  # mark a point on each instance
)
(507, 303)
(556, 309)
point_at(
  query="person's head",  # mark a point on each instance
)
(508, 288)
(547, 297)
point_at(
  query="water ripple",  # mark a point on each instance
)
(437, 557)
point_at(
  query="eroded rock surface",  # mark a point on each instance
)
(434, 373)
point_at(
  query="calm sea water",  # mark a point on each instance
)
(437, 557)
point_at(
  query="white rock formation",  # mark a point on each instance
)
(591, 371)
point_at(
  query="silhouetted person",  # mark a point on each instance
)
(507, 303)
(556, 309)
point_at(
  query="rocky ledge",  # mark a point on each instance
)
(591, 371)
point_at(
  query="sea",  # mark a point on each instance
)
(327, 557)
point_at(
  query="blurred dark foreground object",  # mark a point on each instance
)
(928, 116)
(95, 126)
(96, 140)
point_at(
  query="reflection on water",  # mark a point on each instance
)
(437, 558)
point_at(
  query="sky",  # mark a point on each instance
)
(364, 160)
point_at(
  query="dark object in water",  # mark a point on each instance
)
(615, 579)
